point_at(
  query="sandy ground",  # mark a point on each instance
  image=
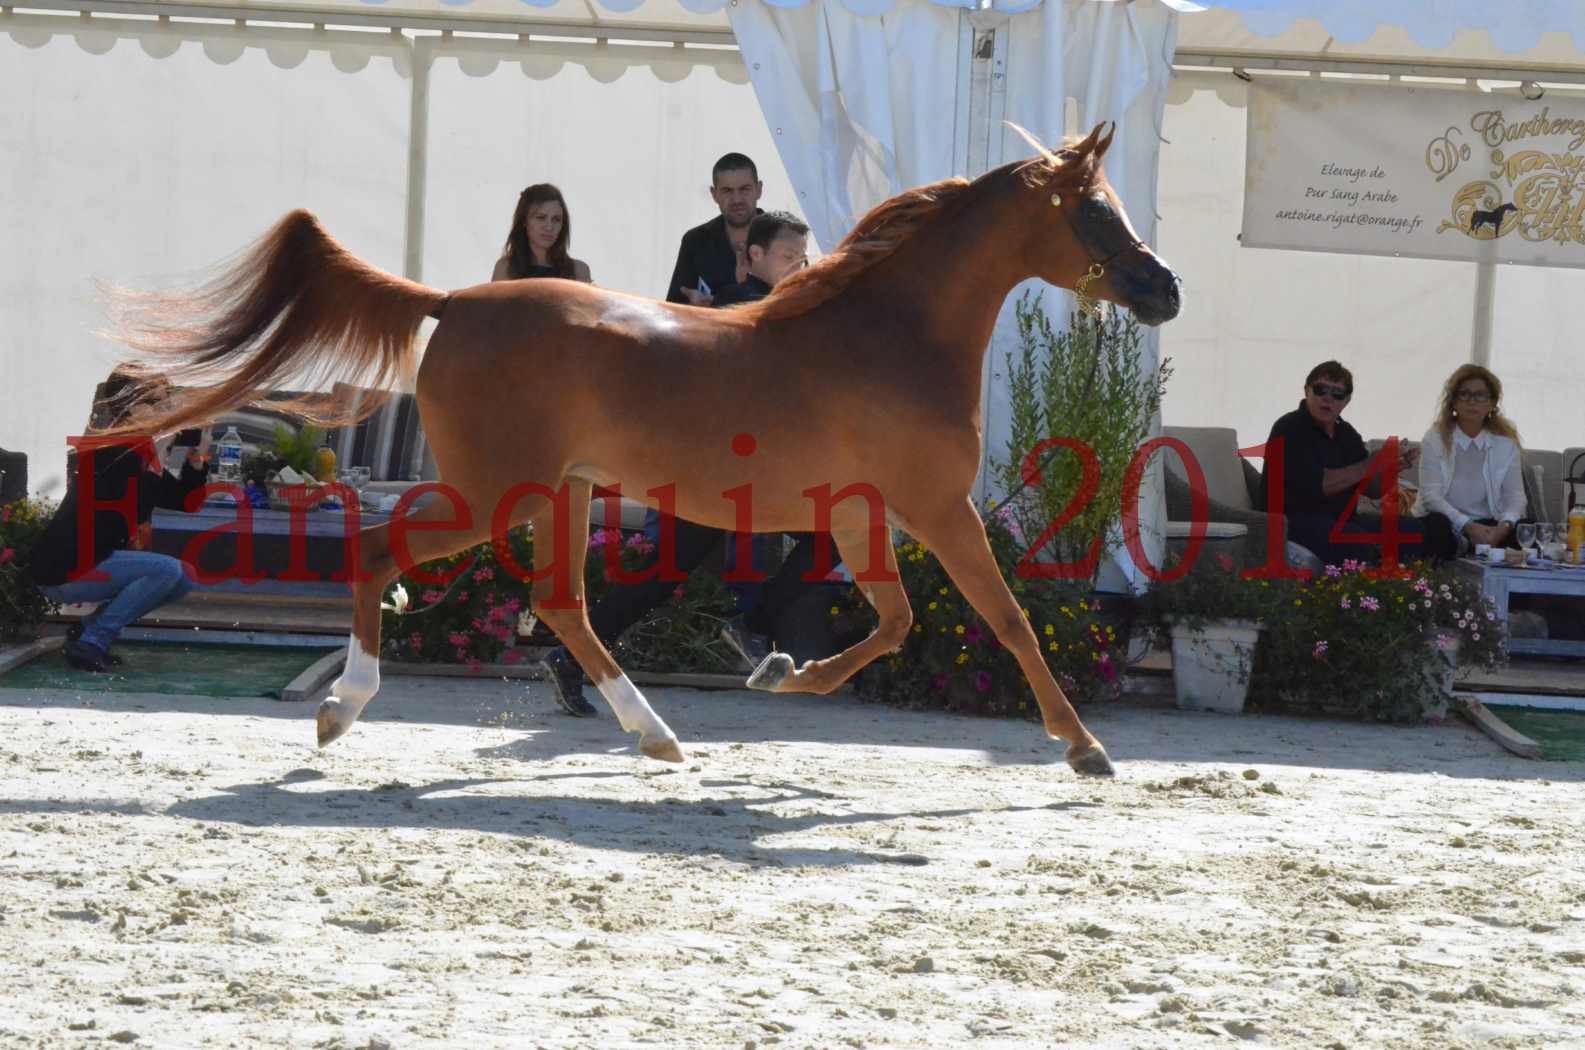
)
(468, 869)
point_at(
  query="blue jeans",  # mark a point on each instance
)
(139, 582)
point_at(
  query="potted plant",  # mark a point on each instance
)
(1212, 617)
(1377, 646)
(1080, 401)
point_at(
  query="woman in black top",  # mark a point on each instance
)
(128, 583)
(536, 245)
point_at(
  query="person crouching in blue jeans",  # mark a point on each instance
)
(128, 583)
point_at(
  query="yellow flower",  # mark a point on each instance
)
(834, 610)
(1054, 647)
(931, 607)
(1298, 601)
(958, 629)
(1050, 630)
(942, 591)
(917, 628)
(963, 658)
(1026, 614)
(1067, 610)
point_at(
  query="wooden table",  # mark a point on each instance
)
(1500, 582)
(321, 534)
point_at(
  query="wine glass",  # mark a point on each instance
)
(1545, 532)
(1526, 534)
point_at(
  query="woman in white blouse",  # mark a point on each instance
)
(1469, 461)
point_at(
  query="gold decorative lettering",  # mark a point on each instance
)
(1442, 154)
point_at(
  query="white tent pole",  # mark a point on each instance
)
(423, 57)
(1485, 295)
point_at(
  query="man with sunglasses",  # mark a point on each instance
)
(1324, 460)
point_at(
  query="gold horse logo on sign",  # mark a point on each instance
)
(1545, 202)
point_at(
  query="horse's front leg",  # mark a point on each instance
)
(957, 538)
(777, 674)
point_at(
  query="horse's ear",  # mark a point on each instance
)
(1104, 144)
(1087, 145)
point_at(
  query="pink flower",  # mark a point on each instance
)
(1107, 668)
(415, 639)
(5, 514)
(1446, 641)
(982, 681)
(431, 597)
(1351, 565)
(1225, 561)
(1475, 635)
(480, 575)
(1367, 602)
(458, 639)
(463, 596)
(489, 598)
(973, 634)
(474, 666)
(7, 554)
(939, 682)
(677, 594)
(462, 654)
(513, 606)
(1344, 603)
(1320, 649)
(512, 656)
(1333, 571)
(478, 624)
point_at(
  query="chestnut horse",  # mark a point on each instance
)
(857, 380)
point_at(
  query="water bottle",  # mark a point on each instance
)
(228, 456)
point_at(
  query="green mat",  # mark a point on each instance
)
(1561, 734)
(170, 667)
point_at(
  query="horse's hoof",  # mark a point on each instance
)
(771, 672)
(1091, 762)
(662, 748)
(328, 723)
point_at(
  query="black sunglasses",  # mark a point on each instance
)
(1336, 393)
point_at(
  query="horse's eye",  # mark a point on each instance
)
(1095, 208)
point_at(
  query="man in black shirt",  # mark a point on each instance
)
(1323, 463)
(777, 246)
(712, 254)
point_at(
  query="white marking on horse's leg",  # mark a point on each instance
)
(635, 715)
(350, 694)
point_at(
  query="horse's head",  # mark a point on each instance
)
(1078, 228)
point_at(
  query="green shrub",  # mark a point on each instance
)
(475, 620)
(22, 607)
(952, 661)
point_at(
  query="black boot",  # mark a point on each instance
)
(74, 632)
(566, 680)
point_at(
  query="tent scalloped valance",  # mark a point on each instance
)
(1515, 26)
(351, 53)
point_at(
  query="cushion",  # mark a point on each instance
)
(1216, 449)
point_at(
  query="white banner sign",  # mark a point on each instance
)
(1438, 173)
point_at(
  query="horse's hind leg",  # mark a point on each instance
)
(570, 621)
(957, 538)
(360, 677)
(890, 600)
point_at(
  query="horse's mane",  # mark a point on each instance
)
(876, 236)
(891, 223)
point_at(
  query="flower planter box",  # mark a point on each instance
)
(1211, 663)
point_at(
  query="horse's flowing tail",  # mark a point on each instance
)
(295, 307)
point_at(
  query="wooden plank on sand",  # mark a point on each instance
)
(315, 675)
(1494, 727)
(17, 655)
